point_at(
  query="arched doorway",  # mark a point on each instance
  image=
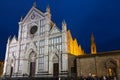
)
(11, 68)
(111, 67)
(55, 66)
(32, 65)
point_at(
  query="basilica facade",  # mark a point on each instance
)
(41, 49)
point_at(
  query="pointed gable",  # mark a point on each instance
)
(14, 40)
(34, 13)
(55, 30)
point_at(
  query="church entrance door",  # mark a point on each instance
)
(32, 69)
(11, 71)
(32, 58)
(55, 69)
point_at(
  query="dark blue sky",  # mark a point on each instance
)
(83, 17)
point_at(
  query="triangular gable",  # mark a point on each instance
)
(69, 35)
(55, 30)
(13, 41)
(34, 13)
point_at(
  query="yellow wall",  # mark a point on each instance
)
(73, 47)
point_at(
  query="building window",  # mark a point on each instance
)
(41, 50)
(42, 27)
(41, 64)
(55, 43)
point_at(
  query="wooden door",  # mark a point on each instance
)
(11, 71)
(32, 69)
(55, 69)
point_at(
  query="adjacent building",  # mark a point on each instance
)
(100, 64)
(1, 68)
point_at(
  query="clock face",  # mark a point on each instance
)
(33, 29)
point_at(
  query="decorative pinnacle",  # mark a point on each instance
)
(63, 23)
(34, 4)
(64, 26)
(21, 18)
(9, 39)
(48, 9)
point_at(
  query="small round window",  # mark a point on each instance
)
(33, 29)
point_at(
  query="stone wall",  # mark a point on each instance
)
(71, 65)
(86, 66)
(99, 64)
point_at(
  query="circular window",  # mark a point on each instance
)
(33, 29)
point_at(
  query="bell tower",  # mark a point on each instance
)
(93, 45)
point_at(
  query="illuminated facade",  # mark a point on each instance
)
(41, 49)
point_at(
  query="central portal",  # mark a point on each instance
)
(32, 64)
(32, 69)
(55, 69)
(55, 65)
(111, 67)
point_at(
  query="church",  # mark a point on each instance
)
(41, 49)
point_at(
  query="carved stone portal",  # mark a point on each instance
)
(111, 67)
(32, 60)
